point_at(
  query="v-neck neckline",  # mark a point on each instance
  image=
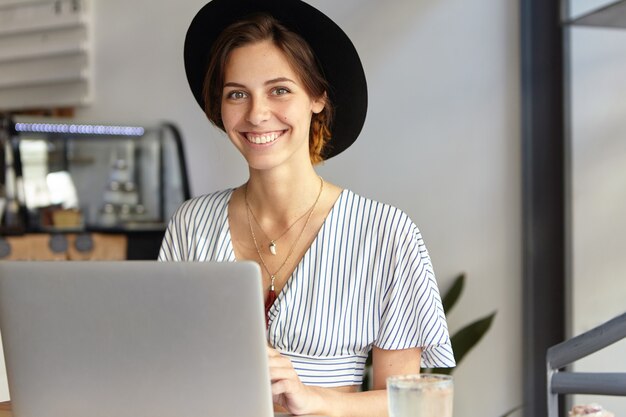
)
(231, 249)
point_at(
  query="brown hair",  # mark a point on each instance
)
(261, 27)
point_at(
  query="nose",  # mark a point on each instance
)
(259, 111)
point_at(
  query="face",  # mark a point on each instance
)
(265, 109)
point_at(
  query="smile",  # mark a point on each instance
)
(261, 138)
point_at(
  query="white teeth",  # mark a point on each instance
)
(260, 139)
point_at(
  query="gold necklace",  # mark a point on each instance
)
(273, 248)
(271, 295)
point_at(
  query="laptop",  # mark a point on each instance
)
(134, 339)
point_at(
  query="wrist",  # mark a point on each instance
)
(324, 401)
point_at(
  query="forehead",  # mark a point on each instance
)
(257, 62)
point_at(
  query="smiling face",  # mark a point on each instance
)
(265, 108)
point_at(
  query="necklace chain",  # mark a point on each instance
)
(272, 245)
(293, 247)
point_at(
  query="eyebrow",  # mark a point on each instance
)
(268, 82)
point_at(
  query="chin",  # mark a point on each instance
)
(274, 161)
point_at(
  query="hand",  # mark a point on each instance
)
(287, 389)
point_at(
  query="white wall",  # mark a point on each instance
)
(599, 194)
(441, 141)
(4, 389)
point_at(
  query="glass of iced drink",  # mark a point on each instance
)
(420, 395)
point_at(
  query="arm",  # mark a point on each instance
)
(298, 398)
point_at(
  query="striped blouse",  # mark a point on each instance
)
(366, 280)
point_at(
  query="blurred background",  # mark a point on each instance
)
(442, 141)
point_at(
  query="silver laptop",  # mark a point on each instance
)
(134, 339)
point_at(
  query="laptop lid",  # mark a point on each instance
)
(134, 339)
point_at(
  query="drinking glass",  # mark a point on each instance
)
(420, 395)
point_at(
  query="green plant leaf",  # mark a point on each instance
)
(465, 339)
(452, 295)
(512, 410)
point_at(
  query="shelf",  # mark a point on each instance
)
(29, 80)
(612, 15)
(42, 96)
(45, 52)
(43, 25)
(34, 53)
(10, 4)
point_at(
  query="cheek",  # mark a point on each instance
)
(294, 115)
(229, 117)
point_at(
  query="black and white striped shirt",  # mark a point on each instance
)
(366, 280)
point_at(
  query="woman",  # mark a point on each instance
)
(344, 274)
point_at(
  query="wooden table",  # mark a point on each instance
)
(5, 409)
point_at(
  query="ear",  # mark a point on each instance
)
(319, 103)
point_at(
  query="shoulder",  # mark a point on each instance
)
(374, 215)
(204, 206)
(219, 197)
(198, 229)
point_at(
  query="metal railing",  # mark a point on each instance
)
(569, 351)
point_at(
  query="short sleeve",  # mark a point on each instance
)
(171, 249)
(411, 313)
(198, 230)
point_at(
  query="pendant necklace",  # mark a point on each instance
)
(271, 295)
(273, 248)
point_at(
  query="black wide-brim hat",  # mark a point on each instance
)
(334, 51)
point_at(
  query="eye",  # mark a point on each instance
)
(280, 91)
(236, 95)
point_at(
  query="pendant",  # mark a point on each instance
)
(269, 301)
(272, 247)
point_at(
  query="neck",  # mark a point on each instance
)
(280, 196)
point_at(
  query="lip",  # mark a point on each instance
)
(262, 138)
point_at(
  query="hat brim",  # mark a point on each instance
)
(333, 49)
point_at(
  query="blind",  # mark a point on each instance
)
(44, 54)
